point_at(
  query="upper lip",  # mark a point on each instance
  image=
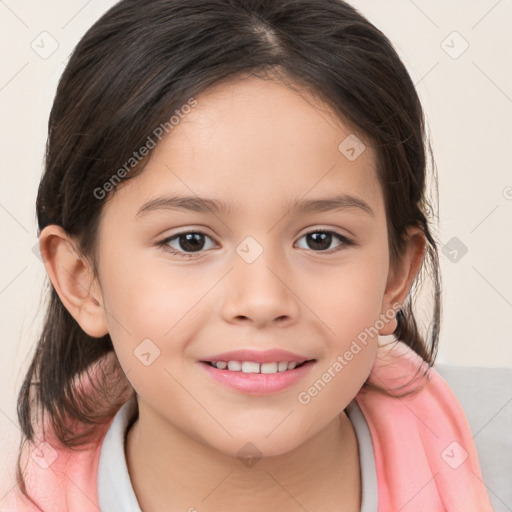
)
(258, 356)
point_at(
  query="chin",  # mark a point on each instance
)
(250, 449)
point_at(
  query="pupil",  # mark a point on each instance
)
(193, 241)
(319, 240)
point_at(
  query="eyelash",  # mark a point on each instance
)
(164, 243)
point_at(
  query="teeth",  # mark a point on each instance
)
(249, 367)
(234, 366)
(282, 366)
(252, 367)
(269, 368)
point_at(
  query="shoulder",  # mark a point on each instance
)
(431, 416)
(57, 477)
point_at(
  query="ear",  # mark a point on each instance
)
(73, 280)
(401, 277)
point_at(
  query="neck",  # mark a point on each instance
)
(171, 471)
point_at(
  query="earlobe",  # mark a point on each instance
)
(401, 278)
(73, 280)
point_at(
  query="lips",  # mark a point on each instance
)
(258, 356)
(257, 372)
(257, 382)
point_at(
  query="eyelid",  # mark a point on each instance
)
(322, 228)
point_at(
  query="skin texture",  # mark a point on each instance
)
(258, 145)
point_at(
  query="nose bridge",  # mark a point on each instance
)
(258, 288)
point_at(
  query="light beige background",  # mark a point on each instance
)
(468, 102)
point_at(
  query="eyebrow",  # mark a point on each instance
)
(205, 205)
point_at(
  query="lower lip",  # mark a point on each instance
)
(258, 383)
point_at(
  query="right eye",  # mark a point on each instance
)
(192, 241)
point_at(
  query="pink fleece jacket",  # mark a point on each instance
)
(424, 452)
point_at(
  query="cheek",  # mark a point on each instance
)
(351, 299)
(153, 316)
(150, 296)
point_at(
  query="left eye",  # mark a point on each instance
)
(322, 238)
(191, 242)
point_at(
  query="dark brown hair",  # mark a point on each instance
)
(137, 65)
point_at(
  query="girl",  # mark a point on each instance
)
(205, 348)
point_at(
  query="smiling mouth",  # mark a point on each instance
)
(254, 367)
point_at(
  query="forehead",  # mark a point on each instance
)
(253, 143)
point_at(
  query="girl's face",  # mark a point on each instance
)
(256, 275)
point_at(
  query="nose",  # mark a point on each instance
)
(260, 293)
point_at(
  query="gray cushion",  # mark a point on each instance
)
(485, 394)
